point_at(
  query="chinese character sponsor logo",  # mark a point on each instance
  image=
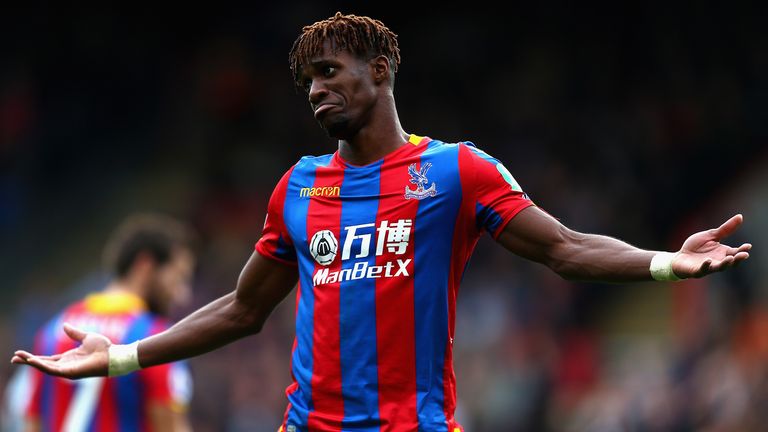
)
(419, 178)
(323, 191)
(391, 237)
(323, 247)
(394, 237)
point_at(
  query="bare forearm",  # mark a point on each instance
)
(537, 236)
(212, 326)
(261, 286)
(600, 258)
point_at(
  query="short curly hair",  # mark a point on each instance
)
(156, 234)
(362, 36)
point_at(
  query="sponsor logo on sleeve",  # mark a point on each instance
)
(508, 177)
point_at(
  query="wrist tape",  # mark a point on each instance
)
(123, 359)
(661, 267)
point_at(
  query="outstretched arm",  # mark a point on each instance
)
(535, 235)
(263, 283)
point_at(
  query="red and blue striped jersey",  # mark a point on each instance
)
(105, 404)
(380, 251)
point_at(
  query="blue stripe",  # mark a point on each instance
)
(483, 155)
(357, 309)
(128, 388)
(435, 223)
(46, 391)
(295, 216)
(285, 250)
(487, 218)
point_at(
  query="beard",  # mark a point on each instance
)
(337, 126)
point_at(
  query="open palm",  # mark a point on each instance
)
(702, 253)
(88, 359)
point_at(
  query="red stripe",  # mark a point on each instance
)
(62, 397)
(324, 213)
(465, 237)
(294, 385)
(106, 414)
(274, 225)
(395, 321)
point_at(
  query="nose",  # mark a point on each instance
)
(317, 92)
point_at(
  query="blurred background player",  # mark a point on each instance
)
(151, 260)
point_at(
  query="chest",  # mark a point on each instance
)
(366, 212)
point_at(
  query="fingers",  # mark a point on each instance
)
(739, 257)
(729, 226)
(743, 249)
(23, 357)
(41, 363)
(74, 333)
(708, 266)
(43, 366)
(721, 265)
(705, 268)
(20, 357)
(746, 247)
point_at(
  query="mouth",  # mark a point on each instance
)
(322, 109)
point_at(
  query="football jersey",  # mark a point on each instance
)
(99, 403)
(380, 251)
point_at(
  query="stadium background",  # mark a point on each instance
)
(642, 123)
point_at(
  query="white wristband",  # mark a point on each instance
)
(661, 267)
(123, 359)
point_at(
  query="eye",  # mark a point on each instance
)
(328, 71)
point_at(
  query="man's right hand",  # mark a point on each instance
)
(91, 358)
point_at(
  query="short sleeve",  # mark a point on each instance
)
(498, 196)
(275, 242)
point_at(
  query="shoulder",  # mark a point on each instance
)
(312, 162)
(468, 153)
(436, 146)
(440, 145)
(304, 166)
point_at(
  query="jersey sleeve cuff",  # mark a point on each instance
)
(508, 217)
(259, 247)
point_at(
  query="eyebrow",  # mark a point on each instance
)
(314, 65)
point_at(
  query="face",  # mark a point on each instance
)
(341, 91)
(170, 283)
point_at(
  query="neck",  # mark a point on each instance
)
(382, 135)
(124, 286)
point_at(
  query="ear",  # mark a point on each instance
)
(380, 69)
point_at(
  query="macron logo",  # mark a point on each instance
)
(325, 191)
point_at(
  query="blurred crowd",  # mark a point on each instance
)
(642, 124)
